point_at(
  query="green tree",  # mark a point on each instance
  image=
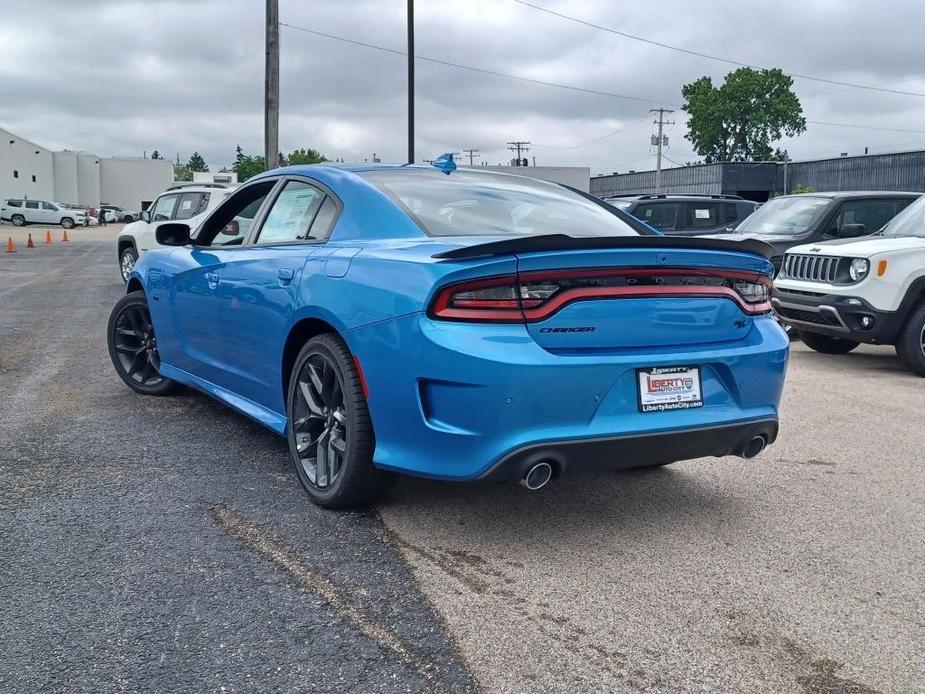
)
(739, 120)
(305, 156)
(156, 155)
(197, 163)
(246, 166)
(182, 173)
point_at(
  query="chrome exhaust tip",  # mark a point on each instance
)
(754, 447)
(537, 476)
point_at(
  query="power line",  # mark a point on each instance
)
(472, 68)
(660, 141)
(472, 154)
(624, 130)
(519, 146)
(698, 54)
(865, 127)
(529, 80)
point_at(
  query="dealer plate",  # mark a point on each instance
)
(662, 388)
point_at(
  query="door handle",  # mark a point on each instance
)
(285, 275)
(212, 278)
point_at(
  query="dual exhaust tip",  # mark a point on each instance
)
(539, 474)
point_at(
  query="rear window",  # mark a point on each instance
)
(14, 203)
(472, 203)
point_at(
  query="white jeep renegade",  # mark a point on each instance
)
(838, 294)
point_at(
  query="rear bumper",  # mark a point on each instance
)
(636, 450)
(461, 401)
(836, 315)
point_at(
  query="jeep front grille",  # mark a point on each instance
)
(812, 268)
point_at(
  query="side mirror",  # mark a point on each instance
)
(174, 234)
(850, 231)
(231, 229)
(145, 216)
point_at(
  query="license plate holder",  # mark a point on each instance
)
(666, 388)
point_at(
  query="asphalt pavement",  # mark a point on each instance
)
(163, 544)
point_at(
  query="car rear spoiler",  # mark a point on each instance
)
(561, 242)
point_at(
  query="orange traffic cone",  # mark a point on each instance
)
(29, 244)
(64, 236)
(10, 246)
(48, 236)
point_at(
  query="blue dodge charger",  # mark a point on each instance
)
(455, 324)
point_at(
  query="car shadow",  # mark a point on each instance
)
(649, 501)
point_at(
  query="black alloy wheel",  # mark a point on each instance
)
(133, 347)
(330, 433)
(320, 421)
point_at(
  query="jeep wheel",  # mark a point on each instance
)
(827, 345)
(18, 220)
(911, 343)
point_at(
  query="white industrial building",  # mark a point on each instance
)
(28, 170)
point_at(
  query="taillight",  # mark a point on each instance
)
(535, 296)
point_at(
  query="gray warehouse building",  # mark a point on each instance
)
(762, 180)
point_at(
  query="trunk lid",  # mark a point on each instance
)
(611, 299)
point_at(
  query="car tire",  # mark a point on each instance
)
(127, 261)
(127, 219)
(67, 222)
(133, 349)
(827, 345)
(18, 220)
(330, 432)
(910, 347)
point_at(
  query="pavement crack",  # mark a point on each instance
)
(309, 579)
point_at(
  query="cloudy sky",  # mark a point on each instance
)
(117, 77)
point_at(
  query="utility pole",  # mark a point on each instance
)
(271, 88)
(519, 147)
(410, 81)
(661, 123)
(472, 154)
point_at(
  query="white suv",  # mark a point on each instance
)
(21, 212)
(838, 294)
(188, 203)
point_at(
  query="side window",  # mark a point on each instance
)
(14, 203)
(324, 220)
(190, 205)
(702, 215)
(873, 214)
(32, 205)
(48, 206)
(163, 208)
(232, 220)
(661, 216)
(290, 218)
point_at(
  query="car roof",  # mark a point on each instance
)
(840, 194)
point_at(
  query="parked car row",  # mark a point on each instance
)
(687, 215)
(20, 212)
(843, 292)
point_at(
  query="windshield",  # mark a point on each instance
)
(785, 216)
(473, 203)
(909, 222)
